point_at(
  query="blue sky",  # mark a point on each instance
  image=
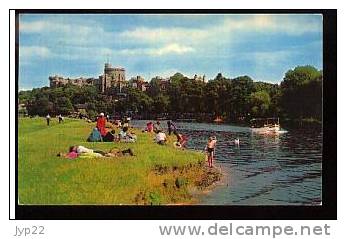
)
(261, 46)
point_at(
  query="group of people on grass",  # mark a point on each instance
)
(181, 140)
(161, 137)
(100, 133)
(151, 127)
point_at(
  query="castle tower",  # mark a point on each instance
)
(113, 77)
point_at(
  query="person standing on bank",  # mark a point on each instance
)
(210, 150)
(60, 118)
(171, 127)
(48, 119)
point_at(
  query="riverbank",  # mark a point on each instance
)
(156, 175)
(286, 123)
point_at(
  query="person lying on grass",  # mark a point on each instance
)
(83, 152)
(118, 153)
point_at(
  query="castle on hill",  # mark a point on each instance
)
(112, 81)
(112, 78)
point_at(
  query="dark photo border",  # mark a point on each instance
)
(328, 209)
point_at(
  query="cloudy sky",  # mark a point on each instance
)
(263, 47)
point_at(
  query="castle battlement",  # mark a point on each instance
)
(56, 81)
(112, 77)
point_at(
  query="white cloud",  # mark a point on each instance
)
(65, 33)
(40, 26)
(34, 51)
(268, 60)
(288, 24)
(96, 54)
(173, 40)
(170, 34)
(32, 26)
(59, 27)
(249, 23)
(272, 58)
(173, 48)
(72, 40)
(228, 29)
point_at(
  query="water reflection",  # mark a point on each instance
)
(262, 170)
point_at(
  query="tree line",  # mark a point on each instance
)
(299, 95)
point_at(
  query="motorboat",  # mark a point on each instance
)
(265, 125)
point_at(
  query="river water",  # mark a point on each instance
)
(284, 169)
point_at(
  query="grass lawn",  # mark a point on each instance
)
(156, 175)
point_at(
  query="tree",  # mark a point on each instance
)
(91, 110)
(274, 93)
(178, 92)
(239, 96)
(211, 97)
(302, 92)
(260, 103)
(154, 87)
(63, 106)
(299, 95)
(177, 77)
(40, 106)
(161, 103)
(84, 95)
(138, 101)
(25, 96)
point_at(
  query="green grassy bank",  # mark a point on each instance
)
(156, 175)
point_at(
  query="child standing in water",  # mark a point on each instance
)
(210, 150)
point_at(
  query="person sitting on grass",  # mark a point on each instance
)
(181, 140)
(126, 136)
(122, 133)
(161, 138)
(149, 128)
(131, 135)
(109, 137)
(157, 127)
(126, 122)
(95, 136)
